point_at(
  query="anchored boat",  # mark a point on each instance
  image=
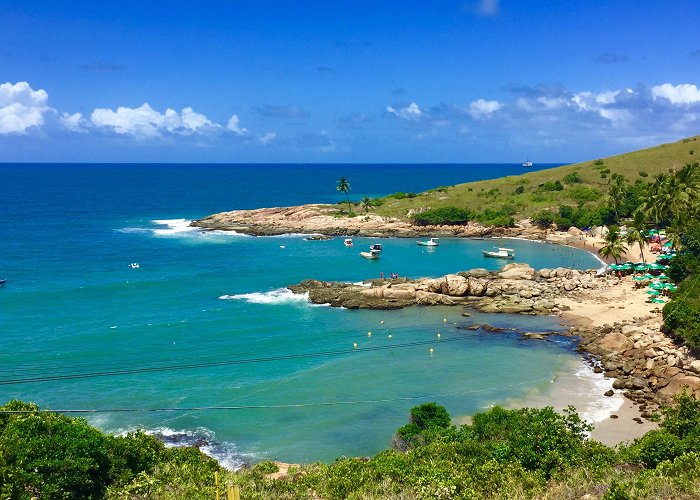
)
(432, 242)
(502, 253)
(372, 254)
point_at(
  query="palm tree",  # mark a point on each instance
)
(344, 187)
(616, 194)
(366, 203)
(635, 232)
(614, 246)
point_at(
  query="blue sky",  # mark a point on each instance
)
(360, 81)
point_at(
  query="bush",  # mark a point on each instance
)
(642, 173)
(445, 215)
(573, 178)
(543, 219)
(682, 314)
(520, 189)
(552, 186)
(598, 163)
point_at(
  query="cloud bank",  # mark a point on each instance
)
(21, 107)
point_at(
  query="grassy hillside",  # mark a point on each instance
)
(523, 195)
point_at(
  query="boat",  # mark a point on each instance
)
(376, 246)
(502, 253)
(527, 163)
(347, 242)
(372, 254)
(134, 265)
(432, 242)
(2, 282)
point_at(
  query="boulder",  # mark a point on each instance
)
(694, 366)
(517, 272)
(574, 231)
(616, 342)
(455, 285)
(677, 383)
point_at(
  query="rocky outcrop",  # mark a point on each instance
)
(517, 288)
(644, 361)
(325, 219)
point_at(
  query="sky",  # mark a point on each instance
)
(345, 81)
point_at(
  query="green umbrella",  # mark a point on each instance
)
(656, 286)
(671, 287)
(656, 266)
(648, 276)
(639, 278)
(641, 267)
(662, 277)
(658, 301)
(668, 244)
(652, 292)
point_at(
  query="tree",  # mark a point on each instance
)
(616, 193)
(635, 232)
(366, 203)
(614, 246)
(344, 187)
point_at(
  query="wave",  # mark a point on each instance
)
(227, 454)
(278, 296)
(174, 227)
(598, 407)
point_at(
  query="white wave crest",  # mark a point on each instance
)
(279, 296)
(595, 384)
(174, 227)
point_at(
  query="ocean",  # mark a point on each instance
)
(201, 341)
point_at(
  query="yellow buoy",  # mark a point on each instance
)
(444, 320)
(381, 322)
(438, 335)
(431, 350)
(369, 334)
(390, 336)
(355, 345)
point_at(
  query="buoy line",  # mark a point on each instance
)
(211, 364)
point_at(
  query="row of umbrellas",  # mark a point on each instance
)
(658, 283)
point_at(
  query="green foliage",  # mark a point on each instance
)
(445, 215)
(598, 163)
(499, 218)
(520, 189)
(543, 219)
(551, 186)
(573, 178)
(683, 265)
(618, 491)
(642, 173)
(401, 195)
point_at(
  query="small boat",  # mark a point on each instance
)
(432, 242)
(502, 253)
(372, 254)
(2, 282)
(134, 265)
(348, 242)
(376, 246)
(527, 163)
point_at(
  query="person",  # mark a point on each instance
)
(381, 275)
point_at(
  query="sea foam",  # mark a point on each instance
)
(278, 296)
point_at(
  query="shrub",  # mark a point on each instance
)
(642, 173)
(682, 314)
(583, 194)
(573, 178)
(598, 163)
(552, 186)
(520, 189)
(543, 219)
(445, 215)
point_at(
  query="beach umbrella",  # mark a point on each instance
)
(656, 266)
(662, 277)
(639, 278)
(648, 276)
(668, 244)
(670, 287)
(652, 292)
(641, 267)
(658, 301)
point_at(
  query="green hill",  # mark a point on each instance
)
(523, 195)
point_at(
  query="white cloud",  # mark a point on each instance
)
(410, 112)
(679, 94)
(482, 109)
(267, 138)
(484, 7)
(234, 125)
(21, 107)
(73, 122)
(146, 122)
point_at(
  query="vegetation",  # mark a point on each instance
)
(344, 187)
(614, 246)
(581, 185)
(444, 215)
(525, 453)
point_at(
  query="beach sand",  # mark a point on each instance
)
(624, 428)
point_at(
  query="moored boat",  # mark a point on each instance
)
(347, 242)
(2, 282)
(432, 242)
(376, 246)
(502, 253)
(527, 163)
(372, 254)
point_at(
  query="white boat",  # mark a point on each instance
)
(372, 254)
(527, 163)
(432, 242)
(502, 253)
(376, 246)
(348, 242)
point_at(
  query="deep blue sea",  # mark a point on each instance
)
(204, 323)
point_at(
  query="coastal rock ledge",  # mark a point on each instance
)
(323, 219)
(516, 288)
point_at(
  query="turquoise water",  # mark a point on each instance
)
(204, 321)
